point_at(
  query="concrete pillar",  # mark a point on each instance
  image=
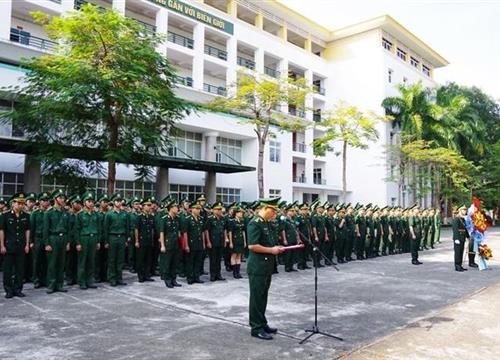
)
(162, 184)
(198, 59)
(259, 60)
(67, 5)
(308, 75)
(232, 55)
(232, 8)
(161, 24)
(32, 175)
(119, 6)
(309, 138)
(211, 176)
(308, 44)
(283, 32)
(283, 69)
(5, 19)
(259, 21)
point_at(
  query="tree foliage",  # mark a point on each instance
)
(105, 86)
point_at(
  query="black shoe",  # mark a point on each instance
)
(83, 287)
(262, 335)
(113, 284)
(270, 330)
(416, 262)
(176, 284)
(229, 268)
(204, 272)
(190, 282)
(169, 285)
(220, 278)
(473, 265)
(63, 290)
(141, 280)
(121, 283)
(213, 278)
(198, 281)
(9, 295)
(149, 279)
(92, 286)
(464, 269)
(459, 268)
(19, 294)
(50, 291)
(293, 270)
(132, 271)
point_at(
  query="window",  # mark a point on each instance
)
(228, 151)
(317, 178)
(274, 193)
(405, 80)
(274, 151)
(401, 54)
(387, 44)
(228, 195)
(389, 75)
(186, 144)
(11, 183)
(414, 62)
(191, 191)
(426, 70)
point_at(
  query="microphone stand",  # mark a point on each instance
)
(315, 329)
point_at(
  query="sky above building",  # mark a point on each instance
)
(466, 33)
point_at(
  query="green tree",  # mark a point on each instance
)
(352, 127)
(105, 87)
(256, 98)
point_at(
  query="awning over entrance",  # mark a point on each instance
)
(19, 146)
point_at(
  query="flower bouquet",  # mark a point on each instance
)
(485, 251)
(476, 223)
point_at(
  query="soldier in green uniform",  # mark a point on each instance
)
(392, 231)
(195, 245)
(202, 201)
(432, 227)
(459, 235)
(71, 271)
(135, 211)
(415, 225)
(385, 232)
(158, 213)
(170, 233)
(291, 237)
(29, 207)
(3, 209)
(360, 221)
(303, 226)
(14, 245)
(350, 233)
(318, 222)
(340, 232)
(145, 240)
(37, 245)
(370, 233)
(56, 224)
(237, 241)
(116, 236)
(216, 240)
(262, 250)
(101, 269)
(425, 230)
(87, 237)
(183, 214)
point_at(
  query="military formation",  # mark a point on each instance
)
(55, 241)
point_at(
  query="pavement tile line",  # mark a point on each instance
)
(151, 301)
(431, 315)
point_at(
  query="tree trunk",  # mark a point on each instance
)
(260, 166)
(113, 144)
(344, 172)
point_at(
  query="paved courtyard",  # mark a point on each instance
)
(364, 302)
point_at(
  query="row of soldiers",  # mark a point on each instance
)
(50, 238)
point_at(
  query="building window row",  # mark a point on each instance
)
(228, 151)
(274, 151)
(228, 195)
(274, 193)
(403, 55)
(11, 183)
(186, 144)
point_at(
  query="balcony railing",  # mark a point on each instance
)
(218, 53)
(56, 1)
(80, 3)
(184, 80)
(271, 72)
(319, 181)
(217, 90)
(299, 147)
(25, 38)
(299, 179)
(180, 40)
(249, 64)
(319, 90)
(317, 117)
(148, 27)
(295, 112)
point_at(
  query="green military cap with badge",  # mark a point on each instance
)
(3, 200)
(272, 203)
(148, 200)
(116, 197)
(103, 197)
(74, 199)
(31, 196)
(88, 195)
(19, 197)
(195, 205)
(218, 205)
(44, 196)
(201, 198)
(170, 203)
(58, 193)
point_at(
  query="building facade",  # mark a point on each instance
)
(208, 42)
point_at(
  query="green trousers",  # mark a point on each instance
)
(56, 261)
(13, 271)
(144, 259)
(169, 265)
(39, 263)
(86, 261)
(116, 257)
(259, 289)
(194, 264)
(71, 269)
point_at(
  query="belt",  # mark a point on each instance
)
(89, 235)
(57, 233)
(117, 234)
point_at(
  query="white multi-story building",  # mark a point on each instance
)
(209, 42)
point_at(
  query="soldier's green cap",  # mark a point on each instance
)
(290, 207)
(57, 193)
(218, 205)
(238, 209)
(31, 196)
(18, 197)
(88, 195)
(304, 206)
(103, 197)
(167, 199)
(171, 203)
(201, 198)
(134, 199)
(74, 199)
(44, 196)
(195, 205)
(116, 197)
(272, 203)
(254, 205)
(185, 199)
(153, 200)
(282, 204)
(147, 201)
(3, 200)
